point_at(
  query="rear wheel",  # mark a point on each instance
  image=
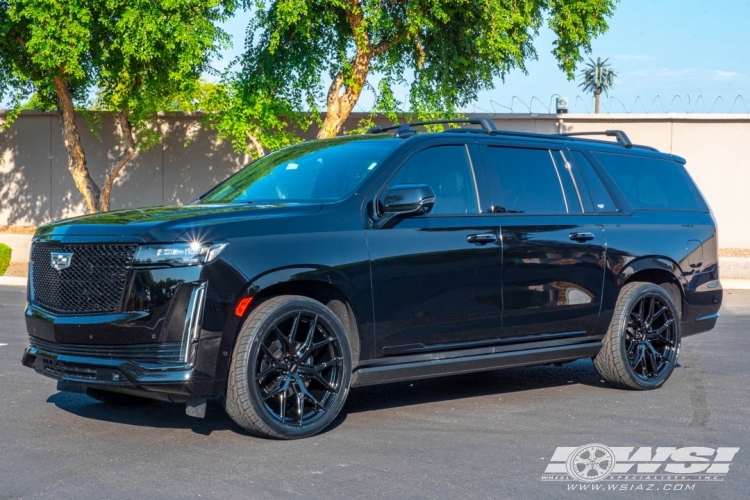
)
(643, 341)
(291, 369)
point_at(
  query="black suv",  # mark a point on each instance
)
(388, 256)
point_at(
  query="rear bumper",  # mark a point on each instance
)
(700, 311)
(700, 325)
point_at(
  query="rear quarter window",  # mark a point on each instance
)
(652, 183)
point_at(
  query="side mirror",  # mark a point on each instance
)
(408, 199)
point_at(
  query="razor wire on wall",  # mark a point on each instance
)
(611, 104)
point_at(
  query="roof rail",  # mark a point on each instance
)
(404, 129)
(621, 136)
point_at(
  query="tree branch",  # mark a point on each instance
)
(256, 144)
(125, 131)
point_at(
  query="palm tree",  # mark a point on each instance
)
(598, 77)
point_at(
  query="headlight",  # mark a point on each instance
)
(178, 254)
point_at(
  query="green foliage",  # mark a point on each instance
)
(598, 76)
(444, 51)
(252, 120)
(133, 55)
(5, 252)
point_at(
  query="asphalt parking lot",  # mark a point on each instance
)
(488, 435)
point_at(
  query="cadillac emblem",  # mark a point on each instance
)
(61, 260)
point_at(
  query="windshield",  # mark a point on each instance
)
(319, 171)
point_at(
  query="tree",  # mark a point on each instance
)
(136, 57)
(598, 77)
(253, 119)
(444, 51)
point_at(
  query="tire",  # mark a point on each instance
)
(291, 369)
(643, 340)
(117, 398)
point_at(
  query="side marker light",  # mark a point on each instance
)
(242, 306)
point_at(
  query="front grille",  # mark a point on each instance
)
(168, 352)
(94, 282)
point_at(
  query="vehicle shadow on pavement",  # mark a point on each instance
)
(160, 414)
(157, 414)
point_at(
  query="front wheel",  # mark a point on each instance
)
(291, 369)
(643, 341)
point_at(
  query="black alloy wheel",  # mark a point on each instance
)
(291, 369)
(642, 343)
(298, 369)
(650, 338)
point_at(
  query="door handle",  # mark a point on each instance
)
(581, 237)
(482, 239)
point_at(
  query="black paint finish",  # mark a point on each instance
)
(419, 289)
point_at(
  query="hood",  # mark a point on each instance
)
(160, 224)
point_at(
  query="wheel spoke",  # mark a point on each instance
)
(266, 371)
(599, 469)
(330, 363)
(282, 384)
(293, 331)
(287, 345)
(307, 393)
(650, 356)
(304, 349)
(300, 403)
(322, 343)
(282, 405)
(638, 357)
(665, 340)
(268, 353)
(633, 345)
(325, 383)
(658, 313)
(662, 328)
(650, 317)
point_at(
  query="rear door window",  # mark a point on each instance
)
(526, 181)
(600, 199)
(652, 183)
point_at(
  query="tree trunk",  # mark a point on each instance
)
(597, 93)
(125, 131)
(346, 89)
(342, 97)
(72, 140)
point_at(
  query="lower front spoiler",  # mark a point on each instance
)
(176, 383)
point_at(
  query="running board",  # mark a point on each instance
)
(414, 370)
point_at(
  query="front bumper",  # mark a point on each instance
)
(163, 343)
(175, 383)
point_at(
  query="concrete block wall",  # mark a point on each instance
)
(36, 187)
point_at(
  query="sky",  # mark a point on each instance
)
(669, 55)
